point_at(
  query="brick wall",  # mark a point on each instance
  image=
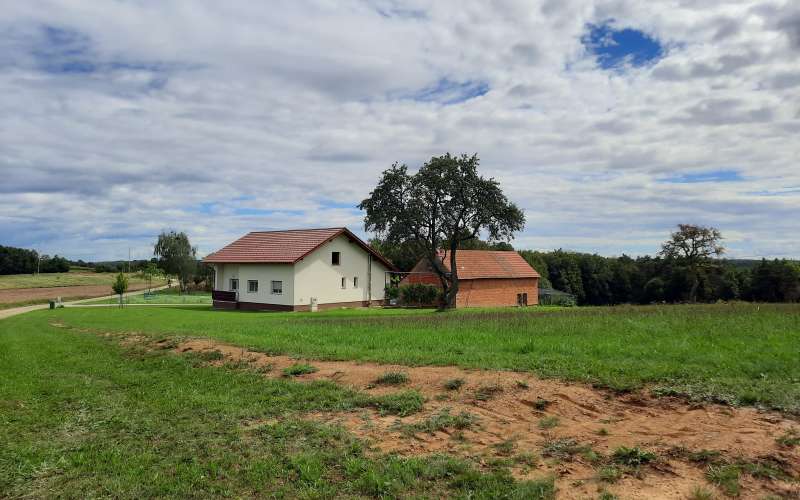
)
(496, 292)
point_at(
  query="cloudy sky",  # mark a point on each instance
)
(609, 122)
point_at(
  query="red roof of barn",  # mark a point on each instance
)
(283, 247)
(477, 264)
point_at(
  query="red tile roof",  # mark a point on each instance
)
(476, 264)
(283, 247)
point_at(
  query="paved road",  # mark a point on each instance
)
(6, 313)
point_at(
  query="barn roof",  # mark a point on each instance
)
(283, 247)
(477, 264)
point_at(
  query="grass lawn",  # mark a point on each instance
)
(167, 296)
(740, 354)
(82, 417)
(73, 278)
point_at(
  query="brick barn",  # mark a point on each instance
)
(486, 278)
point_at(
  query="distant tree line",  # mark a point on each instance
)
(597, 280)
(685, 271)
(22, 261)
(174, 256)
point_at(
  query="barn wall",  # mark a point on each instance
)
(495, 292)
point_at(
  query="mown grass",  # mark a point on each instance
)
(737, 353)
(166, 296)
(83, 417)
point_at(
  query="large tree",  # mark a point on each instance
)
(693, 246)
(176, 256)
(438, 208)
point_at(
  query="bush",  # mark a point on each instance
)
(419, 294)
(391, 292)
(298, 369)
(392, 378)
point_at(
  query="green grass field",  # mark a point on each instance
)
(48, 280)
(739, 354)
(167, 296)
(83, 417)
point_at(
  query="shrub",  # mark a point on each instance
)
(609, 474)
(298, 369)
(487, 392)
(633, 457)
(401, 404)
(562, 448)
(454, 384)
(699, 493)
(789, 439)
(391, 292)
(548, 422)
(419, 294)
(441, 421)
(210, 355)
(726, 477)
(392, 378)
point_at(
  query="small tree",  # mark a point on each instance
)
(120, 286)
(148, 273)
(693, 246)
(443, 205)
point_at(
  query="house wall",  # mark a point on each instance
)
(264, 274)
(495, 292)
(316, 277)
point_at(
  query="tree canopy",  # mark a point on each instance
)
(176, 256)
(441, 206)
(693, 246)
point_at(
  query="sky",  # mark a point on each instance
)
(607, 122)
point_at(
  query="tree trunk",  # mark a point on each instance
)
(452, 294)
(695, 286)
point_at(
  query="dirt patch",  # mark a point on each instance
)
(539, 427)
(65, 292)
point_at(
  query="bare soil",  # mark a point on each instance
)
(509, 409)
(65, 292)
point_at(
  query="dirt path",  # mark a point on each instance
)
(7, 313)
(571, 431)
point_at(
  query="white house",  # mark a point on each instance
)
(298, 270)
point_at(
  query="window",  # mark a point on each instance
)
(344, 283)
(335, 259)
(252, 286)
(277, 287)
(234, 284)
(355, 281)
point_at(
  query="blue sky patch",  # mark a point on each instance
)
(338, 204)
(448, 92)
(712, 176)
(64, 51)
(617, 48)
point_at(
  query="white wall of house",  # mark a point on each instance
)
(315, 276)
(264, 274)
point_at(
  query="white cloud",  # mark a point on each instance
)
(120, 119)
